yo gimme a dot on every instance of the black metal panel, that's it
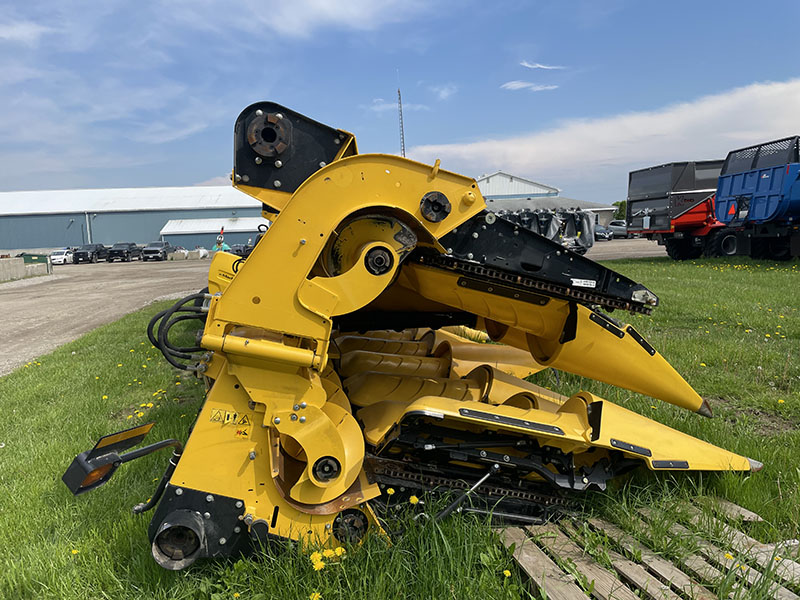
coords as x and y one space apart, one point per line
503 420
494 249
267 135
642 342
398 321
220 526
631 447
670 464
606 324
501 290
763 156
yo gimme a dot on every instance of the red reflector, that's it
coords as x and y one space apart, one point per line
732 209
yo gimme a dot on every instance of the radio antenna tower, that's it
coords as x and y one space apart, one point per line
400 115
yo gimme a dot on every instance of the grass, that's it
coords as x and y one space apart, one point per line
712 326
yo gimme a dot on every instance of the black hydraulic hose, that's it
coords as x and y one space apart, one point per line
176 320
162 484
151 326
162 329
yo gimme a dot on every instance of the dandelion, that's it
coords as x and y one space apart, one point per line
177 383
96 377
778 559
315 596
319 565
729 556
149 405
235 594
144 366
413 500
507 573
340 551
131 350
140 414
390 491
129 417
781 401
328 553
105 397
702 364
74 551
652 406
119 364
315 557
142 405
767 335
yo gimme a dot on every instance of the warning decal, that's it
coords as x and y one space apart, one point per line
243 421
242 432
230 417
216 415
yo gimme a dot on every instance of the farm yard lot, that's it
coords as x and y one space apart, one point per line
730 327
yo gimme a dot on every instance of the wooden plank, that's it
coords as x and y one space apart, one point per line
662 568
696 564
734 511
634 574
787 570
727 561
542 571
603 583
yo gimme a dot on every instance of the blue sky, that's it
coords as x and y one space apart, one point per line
571 94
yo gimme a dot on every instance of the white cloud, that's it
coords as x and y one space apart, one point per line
527 85
379 105
590 158
530 65
23 32
220 180
444 91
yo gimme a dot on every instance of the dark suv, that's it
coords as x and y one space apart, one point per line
90 253
124 251
157 251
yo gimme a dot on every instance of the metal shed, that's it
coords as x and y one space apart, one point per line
191 233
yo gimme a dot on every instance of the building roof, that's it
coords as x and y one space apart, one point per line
547 203
502 184
124 200
213 225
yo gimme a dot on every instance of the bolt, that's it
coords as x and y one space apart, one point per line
303 404
506 458
222 541
469 256
475 234
449 250
279 115
239 504
296 407
207 515
209 498
277 183
237 529
259 112
302 243
278 164
585 480
327 525
277 421
302 419
245 178
336 141
259 160
248 519
483 453
322 163
238 177
179 492
251 456
293 417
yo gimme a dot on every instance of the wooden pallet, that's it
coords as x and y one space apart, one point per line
555 559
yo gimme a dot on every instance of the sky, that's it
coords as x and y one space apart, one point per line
572 94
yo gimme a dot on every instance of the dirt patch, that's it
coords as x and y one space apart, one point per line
765 421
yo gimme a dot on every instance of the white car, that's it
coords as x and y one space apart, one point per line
61 257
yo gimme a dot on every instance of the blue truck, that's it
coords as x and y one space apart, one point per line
758 200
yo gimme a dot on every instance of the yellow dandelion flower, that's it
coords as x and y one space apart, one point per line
778 559
390 491
729 556
319 565
328 553
652 406
139 414
142 405
119 364
781 401
235 594
177 383
702 364
149 405
182 416
129 417
315 557
74 551
315 596
767 335
413 500
96 377
507 573
105 397
131 350
144 366
340 551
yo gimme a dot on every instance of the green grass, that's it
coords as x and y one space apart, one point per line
712 325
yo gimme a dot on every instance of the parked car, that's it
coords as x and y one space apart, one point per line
90 253
618 228
61 257
157 251
124 251
602 234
